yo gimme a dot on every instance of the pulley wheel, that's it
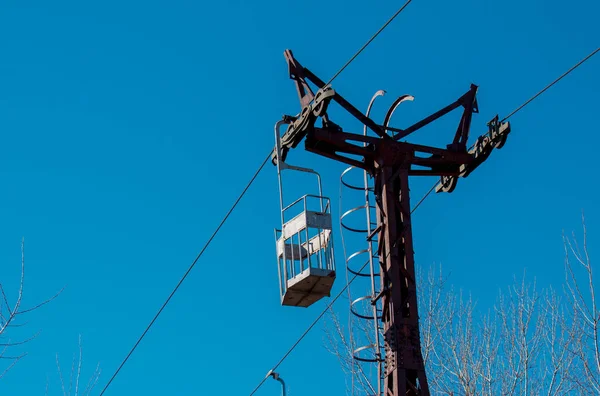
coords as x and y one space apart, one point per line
501 142
448 183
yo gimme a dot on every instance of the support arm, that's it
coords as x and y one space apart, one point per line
300 75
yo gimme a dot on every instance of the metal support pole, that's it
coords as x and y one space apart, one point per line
404 367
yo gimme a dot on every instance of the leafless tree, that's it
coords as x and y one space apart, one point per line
10 319
531 342
581 291
560 334
341 341
75 385
521 347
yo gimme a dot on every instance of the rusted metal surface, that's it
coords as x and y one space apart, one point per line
404 368
391 162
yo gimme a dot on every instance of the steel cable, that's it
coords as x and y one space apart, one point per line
521 107
551 84
307 330
237 201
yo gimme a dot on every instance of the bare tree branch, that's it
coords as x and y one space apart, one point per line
15 360
10 344
339 345
78 367
40 304
62 383
535 341
9 312
93 381
76 373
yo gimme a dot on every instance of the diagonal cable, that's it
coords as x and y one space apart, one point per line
237 201
551 84
521 107
308 330
368 42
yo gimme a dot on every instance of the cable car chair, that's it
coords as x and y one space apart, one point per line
304 244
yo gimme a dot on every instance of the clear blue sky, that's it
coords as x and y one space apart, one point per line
129 127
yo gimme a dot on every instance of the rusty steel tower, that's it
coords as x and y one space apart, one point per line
390 162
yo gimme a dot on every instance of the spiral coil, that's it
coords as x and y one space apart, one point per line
357 223
367 344
367 347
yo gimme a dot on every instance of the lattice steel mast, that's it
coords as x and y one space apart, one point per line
391 162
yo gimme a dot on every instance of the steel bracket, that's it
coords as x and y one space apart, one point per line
495 138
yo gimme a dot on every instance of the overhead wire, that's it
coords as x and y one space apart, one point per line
214 234
528 101
424 198
581 62
373 37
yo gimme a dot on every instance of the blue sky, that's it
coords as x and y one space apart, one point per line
128 129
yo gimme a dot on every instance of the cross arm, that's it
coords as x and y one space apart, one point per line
468 101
